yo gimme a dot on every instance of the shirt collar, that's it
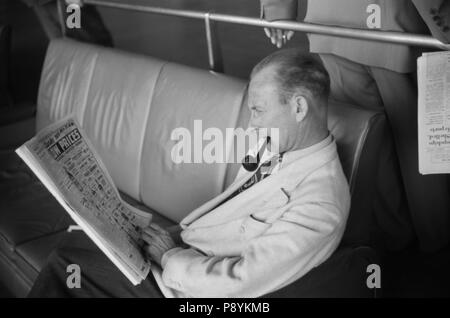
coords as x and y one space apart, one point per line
291 156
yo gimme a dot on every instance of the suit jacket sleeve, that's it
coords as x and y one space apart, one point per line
434 12
272 10
306 235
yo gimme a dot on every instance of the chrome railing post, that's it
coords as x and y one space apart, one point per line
62 21
213 45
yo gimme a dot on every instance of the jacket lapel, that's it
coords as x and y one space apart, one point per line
211 213
242 204
211 204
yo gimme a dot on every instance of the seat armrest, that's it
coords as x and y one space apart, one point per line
18 112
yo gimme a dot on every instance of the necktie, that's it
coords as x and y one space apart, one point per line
264 170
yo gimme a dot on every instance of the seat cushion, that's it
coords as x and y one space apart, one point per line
20 267
15 272
359 145
110 93
353 129
191 101
36 252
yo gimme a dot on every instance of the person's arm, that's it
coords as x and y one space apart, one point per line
158 240
273 10
305 236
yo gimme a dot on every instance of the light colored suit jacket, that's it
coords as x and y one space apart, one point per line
396 15
266 237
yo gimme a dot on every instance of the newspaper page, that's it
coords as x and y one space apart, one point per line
433 75
66 162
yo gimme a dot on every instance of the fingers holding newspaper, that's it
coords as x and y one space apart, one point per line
157 242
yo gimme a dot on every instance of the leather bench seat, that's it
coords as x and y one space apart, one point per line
20 266
128 105
36 252
29 218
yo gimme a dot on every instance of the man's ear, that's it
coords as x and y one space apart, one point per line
300 107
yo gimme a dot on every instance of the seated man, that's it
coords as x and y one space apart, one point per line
265 231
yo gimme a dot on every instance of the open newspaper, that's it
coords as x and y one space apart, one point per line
65 161
433 73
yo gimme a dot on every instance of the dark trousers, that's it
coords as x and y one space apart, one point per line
342 275
99 276
428 196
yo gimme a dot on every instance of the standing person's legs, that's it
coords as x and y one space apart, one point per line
352 83
428 196
99 276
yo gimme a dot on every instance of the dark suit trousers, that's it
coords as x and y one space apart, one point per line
99 276
342 275
428 196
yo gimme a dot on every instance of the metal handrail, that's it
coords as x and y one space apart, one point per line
213 44
371 35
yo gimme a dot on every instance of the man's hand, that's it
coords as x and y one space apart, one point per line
158 241
279 10
175 233
278 37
